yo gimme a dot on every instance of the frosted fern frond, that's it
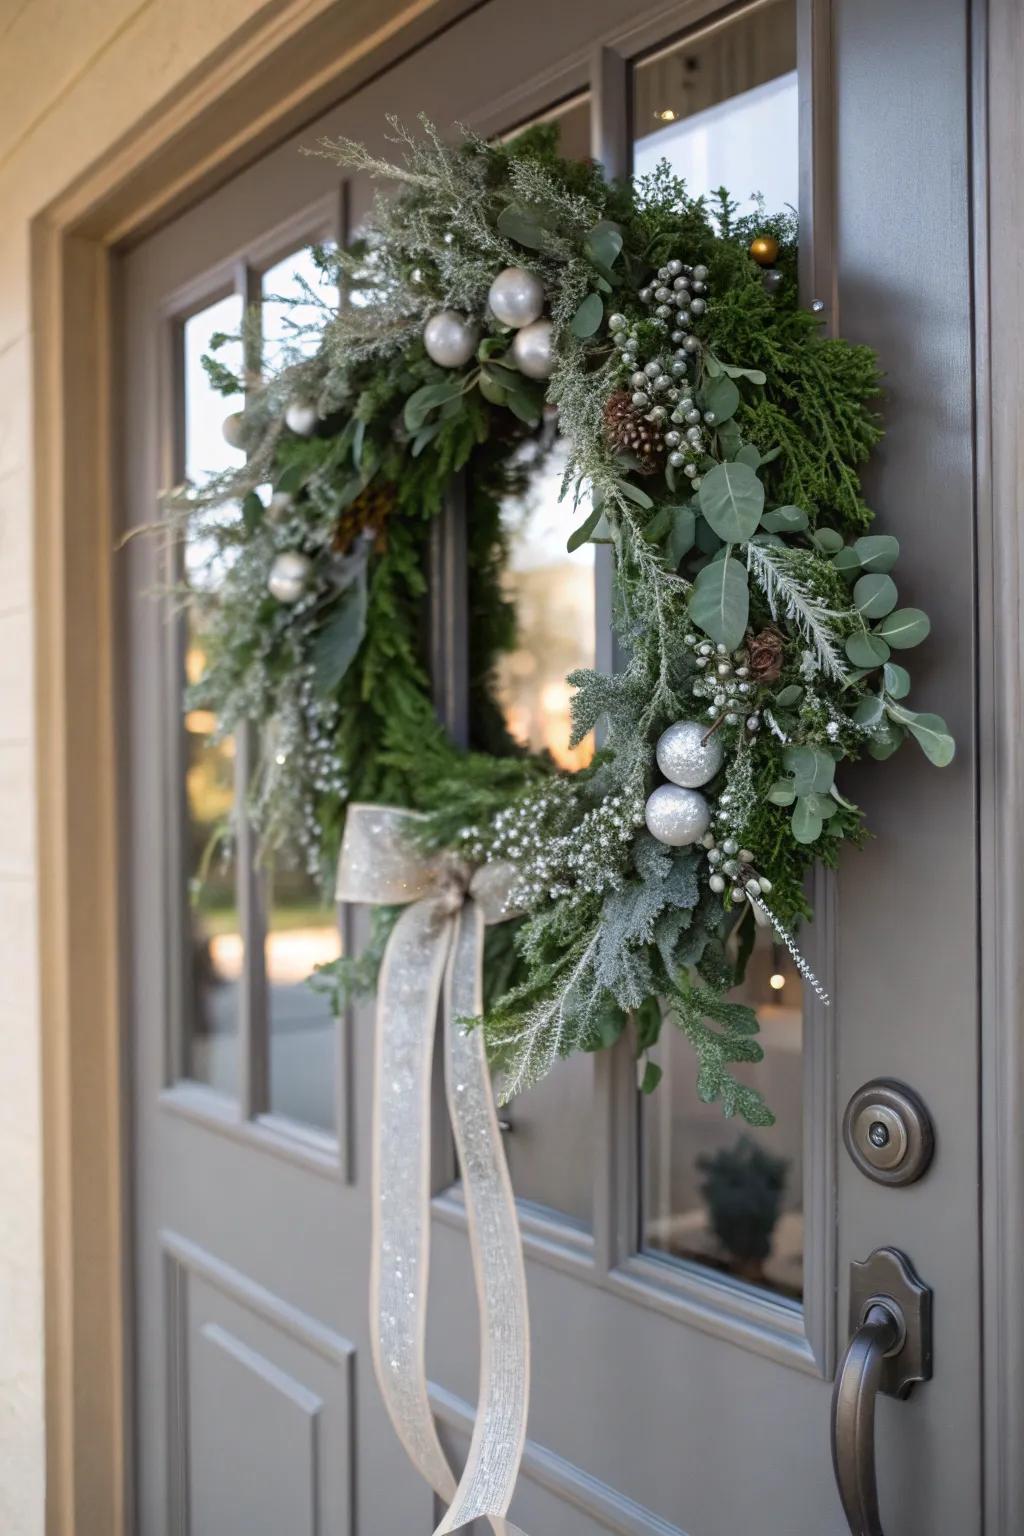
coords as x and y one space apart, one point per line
524 1045
789 595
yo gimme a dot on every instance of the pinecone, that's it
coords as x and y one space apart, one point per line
627 430
765 654
367 514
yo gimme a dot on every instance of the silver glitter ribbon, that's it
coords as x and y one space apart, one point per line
759 903
437 945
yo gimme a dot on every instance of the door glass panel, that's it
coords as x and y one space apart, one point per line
721 108
214 947
302 932
301 920
731 1196
549 1138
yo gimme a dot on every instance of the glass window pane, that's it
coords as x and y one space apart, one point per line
294 297
731 1197
213 961
301 923
553 593
302 932
721 108
550 1144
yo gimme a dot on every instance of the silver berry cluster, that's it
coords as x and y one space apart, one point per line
725 682
733 867
587 858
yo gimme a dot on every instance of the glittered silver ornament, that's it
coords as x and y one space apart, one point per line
533 351
688 755
289 576
233 429
450 339
301 418
677 816
516 297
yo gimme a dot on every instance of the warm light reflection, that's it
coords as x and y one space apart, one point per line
777 981
553 593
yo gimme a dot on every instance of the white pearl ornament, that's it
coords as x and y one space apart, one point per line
450 339
301 419
687 755
516 297
233 429
533 352
289 576
677 816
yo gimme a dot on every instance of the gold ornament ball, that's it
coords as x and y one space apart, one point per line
764 250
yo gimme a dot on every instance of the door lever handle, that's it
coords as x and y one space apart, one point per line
890 1350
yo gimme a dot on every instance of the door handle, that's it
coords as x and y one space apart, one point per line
889 1351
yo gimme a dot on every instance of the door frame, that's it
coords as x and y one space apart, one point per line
248 96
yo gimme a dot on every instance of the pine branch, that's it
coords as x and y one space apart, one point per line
771 566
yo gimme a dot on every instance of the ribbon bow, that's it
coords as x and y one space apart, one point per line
438 941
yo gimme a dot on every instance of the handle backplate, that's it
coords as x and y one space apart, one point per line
886 1276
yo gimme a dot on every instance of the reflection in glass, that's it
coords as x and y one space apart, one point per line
301 927
553 593
550 1144
302 932
721 108
213 962
731 1197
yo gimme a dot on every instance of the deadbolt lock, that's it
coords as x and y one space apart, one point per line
888 1132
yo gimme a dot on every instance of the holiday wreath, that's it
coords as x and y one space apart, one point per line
714 438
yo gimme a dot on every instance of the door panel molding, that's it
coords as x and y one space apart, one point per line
610 1510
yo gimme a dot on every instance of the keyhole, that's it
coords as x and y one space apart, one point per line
878 1134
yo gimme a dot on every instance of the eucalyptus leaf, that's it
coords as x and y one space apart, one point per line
291 480
877 551
339 639
423 438
886 739
659 525
588 317
785 520
426 399
813 769
492 388
749 454
516 224
827 540
823 806
805 822
868 711
721 396
782 793
580 535
720 601
895 680
905 628
634 493
603 244
846 561
865 649
788 696
681 535
754 375
874 596
730 439
732 500
930 732
651 1077
252 511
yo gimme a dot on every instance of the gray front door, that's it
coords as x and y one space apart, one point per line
682 1377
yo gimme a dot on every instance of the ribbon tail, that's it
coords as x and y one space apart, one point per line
408 994
499 1432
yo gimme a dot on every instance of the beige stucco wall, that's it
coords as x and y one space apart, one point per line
74 76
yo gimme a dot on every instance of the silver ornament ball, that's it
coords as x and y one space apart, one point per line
686 757
233 429
516 297
289 576
533 350
450 339
301 418
676 816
